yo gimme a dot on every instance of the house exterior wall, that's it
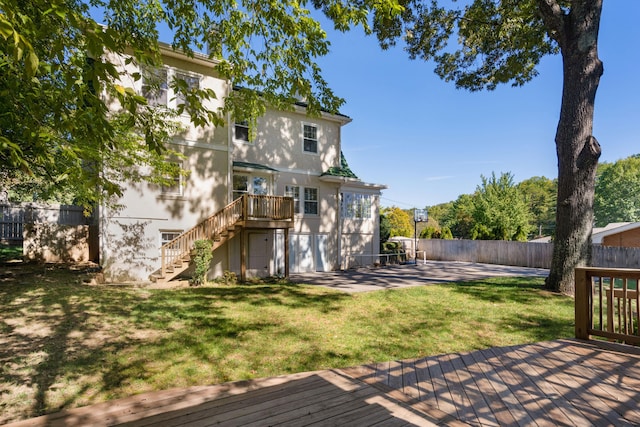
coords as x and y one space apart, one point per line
131 236
629 239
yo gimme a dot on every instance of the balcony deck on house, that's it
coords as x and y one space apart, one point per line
571 382
246 212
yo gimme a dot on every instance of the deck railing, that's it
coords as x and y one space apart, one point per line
247 207
607 304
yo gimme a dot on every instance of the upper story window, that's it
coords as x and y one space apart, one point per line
311 201
176 188
241 131
294 192
191 82
158 92
155 87
310 138
355 205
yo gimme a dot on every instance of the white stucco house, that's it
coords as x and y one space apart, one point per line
282 201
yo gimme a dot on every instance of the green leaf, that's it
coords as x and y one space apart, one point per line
6 29
32 64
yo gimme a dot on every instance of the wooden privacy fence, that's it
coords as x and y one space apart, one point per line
521 254
14 216
607 304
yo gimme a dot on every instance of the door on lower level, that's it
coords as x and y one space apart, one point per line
260 251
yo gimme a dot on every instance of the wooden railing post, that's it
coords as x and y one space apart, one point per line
245 207
582 303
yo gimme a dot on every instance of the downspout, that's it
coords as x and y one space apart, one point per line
339 219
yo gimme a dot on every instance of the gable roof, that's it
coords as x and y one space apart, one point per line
600 233
343 170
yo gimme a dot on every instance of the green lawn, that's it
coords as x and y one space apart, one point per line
10 253
66 344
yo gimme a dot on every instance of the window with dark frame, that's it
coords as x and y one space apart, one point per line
311 201
310 139
241 131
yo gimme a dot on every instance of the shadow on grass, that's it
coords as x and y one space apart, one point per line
65 343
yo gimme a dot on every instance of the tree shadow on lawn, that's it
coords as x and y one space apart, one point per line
64 343
521 290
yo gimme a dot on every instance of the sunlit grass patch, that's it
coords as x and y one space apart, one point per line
66 344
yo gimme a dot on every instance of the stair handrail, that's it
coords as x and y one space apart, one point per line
178 248
243 208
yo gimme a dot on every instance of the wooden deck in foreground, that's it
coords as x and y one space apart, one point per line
564 382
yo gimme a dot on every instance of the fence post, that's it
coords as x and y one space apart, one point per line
582 306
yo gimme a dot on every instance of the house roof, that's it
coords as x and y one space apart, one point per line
252 166
614 228
343 170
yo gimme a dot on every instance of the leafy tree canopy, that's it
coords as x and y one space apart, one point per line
500 212
540 194
617 196
479 44
55 124
400 222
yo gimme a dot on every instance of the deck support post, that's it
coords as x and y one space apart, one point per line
286 253
582 306
243 256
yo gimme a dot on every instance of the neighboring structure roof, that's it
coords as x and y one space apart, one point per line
343 170
613 228
252 166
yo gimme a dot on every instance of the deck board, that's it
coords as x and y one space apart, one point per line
562 382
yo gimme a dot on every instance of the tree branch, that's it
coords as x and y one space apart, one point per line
554 19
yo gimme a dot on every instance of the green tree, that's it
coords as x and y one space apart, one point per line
461 220
540 194
500 212
499 42
55 79
617 196
385 229
401 223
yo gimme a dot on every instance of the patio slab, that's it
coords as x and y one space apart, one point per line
402 276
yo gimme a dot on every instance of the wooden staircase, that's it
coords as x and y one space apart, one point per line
248 211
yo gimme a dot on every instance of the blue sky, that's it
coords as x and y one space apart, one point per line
430 142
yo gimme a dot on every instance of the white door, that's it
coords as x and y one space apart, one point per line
260 249
301 253
321 252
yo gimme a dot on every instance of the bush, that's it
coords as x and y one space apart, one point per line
202 259
228 278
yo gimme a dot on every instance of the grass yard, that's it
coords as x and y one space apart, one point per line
64 343
10 253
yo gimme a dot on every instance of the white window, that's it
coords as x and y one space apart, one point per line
168 235
250 184
294 192
355 205
154 86
309 138
240 185
176 188
260 186
158 92
241 131
191 83
311 201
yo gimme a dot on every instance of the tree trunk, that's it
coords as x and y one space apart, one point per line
578 151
